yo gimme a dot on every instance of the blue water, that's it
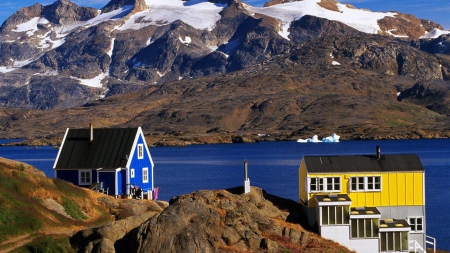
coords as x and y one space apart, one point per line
273 166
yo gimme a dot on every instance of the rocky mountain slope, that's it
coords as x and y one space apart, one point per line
317 88
62 55
289 70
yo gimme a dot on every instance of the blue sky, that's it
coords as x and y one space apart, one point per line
434 10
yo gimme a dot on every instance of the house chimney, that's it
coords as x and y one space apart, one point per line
91 128
246 179
378 153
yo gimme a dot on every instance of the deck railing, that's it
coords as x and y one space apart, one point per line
432 241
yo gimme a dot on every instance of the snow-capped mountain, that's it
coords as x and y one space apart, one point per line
62 55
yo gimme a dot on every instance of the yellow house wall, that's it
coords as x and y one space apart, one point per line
397 189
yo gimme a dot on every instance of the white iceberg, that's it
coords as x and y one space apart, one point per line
315 139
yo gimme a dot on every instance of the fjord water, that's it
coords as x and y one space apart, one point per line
273 166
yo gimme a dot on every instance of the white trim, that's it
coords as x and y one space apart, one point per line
79 177
325 184
398 229
60 148
133 149
116 183
333 203
145 169
366 184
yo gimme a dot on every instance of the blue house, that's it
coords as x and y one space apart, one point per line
114 160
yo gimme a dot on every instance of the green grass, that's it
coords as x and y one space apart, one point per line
72 209
47 244
14 220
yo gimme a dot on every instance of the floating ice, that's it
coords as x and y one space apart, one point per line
315 139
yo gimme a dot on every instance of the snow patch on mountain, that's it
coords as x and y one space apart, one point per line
187 40
31 26
111 48
434 34
198 14
16 65
361 20
95 82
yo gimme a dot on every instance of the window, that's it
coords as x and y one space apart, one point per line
325 184
373 183
334 215
84 177
140 151
416 224
316 184
145 175
132 173
394 241
364 228
365 183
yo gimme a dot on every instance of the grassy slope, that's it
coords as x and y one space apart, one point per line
22 192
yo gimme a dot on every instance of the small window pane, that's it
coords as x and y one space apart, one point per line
377 183
354 228
390 241
332 215
321 184
383 243
339 215
368 225
405 241
354 186
370 183
325 215
397 241
360 183
313 184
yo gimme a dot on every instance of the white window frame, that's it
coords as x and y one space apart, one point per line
82 182
145 175
321 184
334 215
364 185
364 228
414 225
132 173
140 151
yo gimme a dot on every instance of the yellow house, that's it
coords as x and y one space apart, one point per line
369 203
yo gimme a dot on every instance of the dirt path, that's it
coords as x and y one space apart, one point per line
19 241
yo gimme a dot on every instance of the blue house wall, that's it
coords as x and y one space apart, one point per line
122 182
138 165
72 176
109 181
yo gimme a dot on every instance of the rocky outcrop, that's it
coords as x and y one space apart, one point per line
309 28
403 25
63 12
275 2
209 221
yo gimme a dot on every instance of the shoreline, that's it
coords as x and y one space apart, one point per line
187 140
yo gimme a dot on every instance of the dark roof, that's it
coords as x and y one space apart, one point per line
362 163
108 150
